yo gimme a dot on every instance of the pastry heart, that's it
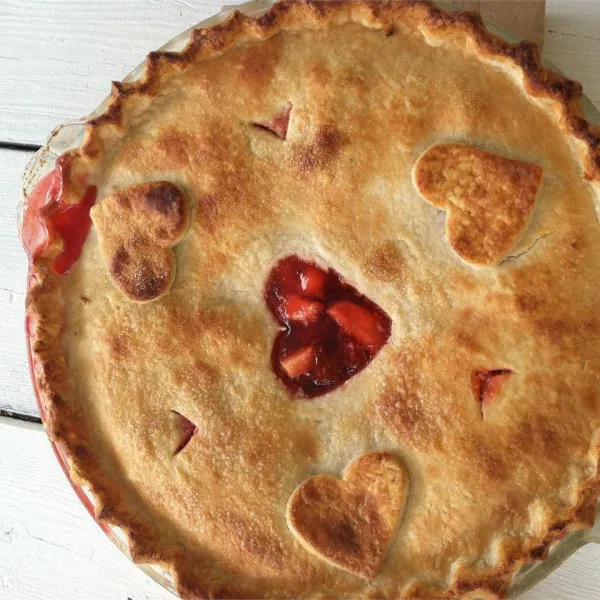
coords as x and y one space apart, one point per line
137 227
489 198
350 522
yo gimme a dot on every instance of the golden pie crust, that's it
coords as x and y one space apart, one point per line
372 86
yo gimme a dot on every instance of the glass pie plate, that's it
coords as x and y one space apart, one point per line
69 135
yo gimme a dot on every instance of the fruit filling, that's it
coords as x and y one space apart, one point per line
278 124
488 384
46 217
329 330
185 430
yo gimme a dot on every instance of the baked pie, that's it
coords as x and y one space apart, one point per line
313 309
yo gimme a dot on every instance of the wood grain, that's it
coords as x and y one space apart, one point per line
57 58
16 394
572 42
49 545
525 18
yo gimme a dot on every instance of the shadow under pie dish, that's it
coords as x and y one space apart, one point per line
319 286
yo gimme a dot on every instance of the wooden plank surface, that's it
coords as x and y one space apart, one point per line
572 42
50 547
58 57
525 18
16 394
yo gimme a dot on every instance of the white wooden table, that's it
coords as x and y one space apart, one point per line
57 58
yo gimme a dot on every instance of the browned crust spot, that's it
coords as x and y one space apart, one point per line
44 298
319 153
137 228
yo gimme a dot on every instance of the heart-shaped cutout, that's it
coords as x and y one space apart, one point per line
137 227
183 431
278 123
329 332
487 385
350 522
489 198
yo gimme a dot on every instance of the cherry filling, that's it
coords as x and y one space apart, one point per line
330 331
488 384
46 216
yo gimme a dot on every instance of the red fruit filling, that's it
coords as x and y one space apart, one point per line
45 217
330 331
488 384
185 431
312 281
278 124
301 309
298 362
361 324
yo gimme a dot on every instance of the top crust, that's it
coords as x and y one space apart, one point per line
338 191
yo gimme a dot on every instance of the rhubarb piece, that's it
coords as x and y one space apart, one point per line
293 276
302 310
351 353
73 223
46 218
312 281
35 233
301 361
363 325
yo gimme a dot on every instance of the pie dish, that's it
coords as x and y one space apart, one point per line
308 143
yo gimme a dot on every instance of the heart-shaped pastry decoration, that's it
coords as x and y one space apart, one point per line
137 227
489 198
350 522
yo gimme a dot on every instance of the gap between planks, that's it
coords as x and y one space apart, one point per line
19 147
8 414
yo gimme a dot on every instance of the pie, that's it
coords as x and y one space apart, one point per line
313 309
